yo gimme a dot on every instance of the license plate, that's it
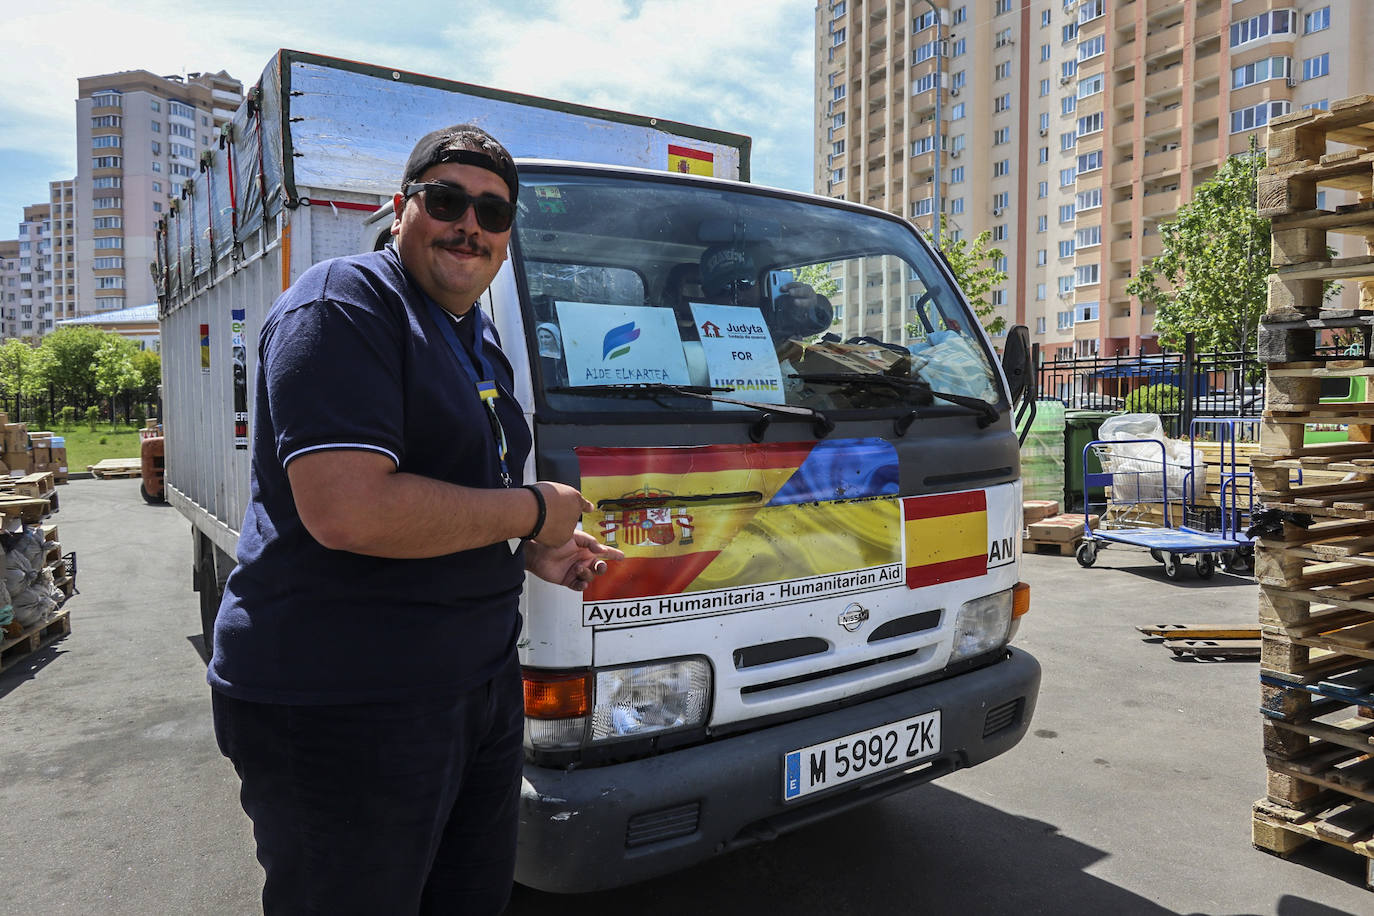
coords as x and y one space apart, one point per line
841 760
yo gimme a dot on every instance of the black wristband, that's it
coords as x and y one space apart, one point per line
543 512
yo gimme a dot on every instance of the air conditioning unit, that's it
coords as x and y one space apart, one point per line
1065 80
954 93
954 154
996 211
1292 82
1044 131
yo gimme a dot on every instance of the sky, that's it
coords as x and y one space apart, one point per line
738 65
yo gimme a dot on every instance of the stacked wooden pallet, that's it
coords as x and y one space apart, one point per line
1316 607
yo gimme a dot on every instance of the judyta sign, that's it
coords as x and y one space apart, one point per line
739 352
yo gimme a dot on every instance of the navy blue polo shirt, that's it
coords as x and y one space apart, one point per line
350 357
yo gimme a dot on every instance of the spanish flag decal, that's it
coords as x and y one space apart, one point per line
946 537
690 161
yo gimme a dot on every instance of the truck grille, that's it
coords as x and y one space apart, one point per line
657 826
1001 718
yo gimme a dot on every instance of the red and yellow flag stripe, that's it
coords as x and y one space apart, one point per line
690 161
946 537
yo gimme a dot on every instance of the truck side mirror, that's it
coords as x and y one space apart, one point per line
1016 361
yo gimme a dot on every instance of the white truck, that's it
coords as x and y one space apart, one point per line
822 536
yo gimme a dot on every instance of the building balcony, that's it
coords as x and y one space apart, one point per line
1122 250
1163 123
1161 206
1117 289
1086 330
1121 212
1204 152
1163 42
1123 97
1164 83
1119 327
1161 164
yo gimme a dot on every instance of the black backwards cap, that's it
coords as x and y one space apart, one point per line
467 144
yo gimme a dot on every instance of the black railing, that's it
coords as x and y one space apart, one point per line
1177 386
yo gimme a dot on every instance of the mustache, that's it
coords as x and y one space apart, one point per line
464 244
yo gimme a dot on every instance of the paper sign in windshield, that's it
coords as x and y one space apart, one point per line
739 352
621 345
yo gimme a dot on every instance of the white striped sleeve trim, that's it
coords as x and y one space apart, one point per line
336 446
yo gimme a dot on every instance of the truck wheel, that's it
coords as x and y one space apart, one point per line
210 595
149 498
1087 554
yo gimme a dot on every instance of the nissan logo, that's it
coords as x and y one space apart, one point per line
853 617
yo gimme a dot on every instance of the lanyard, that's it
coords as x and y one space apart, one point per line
484 384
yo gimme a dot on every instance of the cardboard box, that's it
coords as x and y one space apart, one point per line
1033 510
1058 528
41 454
16 437
832 356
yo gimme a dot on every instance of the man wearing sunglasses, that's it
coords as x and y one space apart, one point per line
365 680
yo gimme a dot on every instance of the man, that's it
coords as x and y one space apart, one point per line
365 680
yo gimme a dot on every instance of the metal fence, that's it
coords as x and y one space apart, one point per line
44 408
1177 386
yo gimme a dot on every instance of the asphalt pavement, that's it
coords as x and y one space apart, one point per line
1130 795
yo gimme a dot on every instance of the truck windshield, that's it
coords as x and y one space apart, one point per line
657 286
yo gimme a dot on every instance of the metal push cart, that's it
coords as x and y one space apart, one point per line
1140 507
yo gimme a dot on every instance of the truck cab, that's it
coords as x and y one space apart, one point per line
821 533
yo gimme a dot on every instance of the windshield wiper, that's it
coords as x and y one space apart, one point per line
821 425
987 413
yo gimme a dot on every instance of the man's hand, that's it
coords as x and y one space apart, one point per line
574 563
564 507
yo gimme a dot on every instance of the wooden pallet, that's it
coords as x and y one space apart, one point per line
117 467
1062 548
32 511
1282 831
14 650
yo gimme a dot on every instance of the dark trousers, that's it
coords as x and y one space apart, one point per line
382 808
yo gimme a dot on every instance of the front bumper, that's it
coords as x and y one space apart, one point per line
601 827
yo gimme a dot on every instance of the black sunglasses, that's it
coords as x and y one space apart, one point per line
448 202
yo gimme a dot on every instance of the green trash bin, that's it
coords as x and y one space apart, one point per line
1042 454
1080 428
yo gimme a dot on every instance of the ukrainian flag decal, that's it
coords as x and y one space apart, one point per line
946 537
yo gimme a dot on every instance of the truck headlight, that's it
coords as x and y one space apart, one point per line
564 711
983 624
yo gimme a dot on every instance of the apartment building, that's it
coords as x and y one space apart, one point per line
62 221
139 138
9 288
30 316
1070 129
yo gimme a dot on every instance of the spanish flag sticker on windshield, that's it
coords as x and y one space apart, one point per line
691 161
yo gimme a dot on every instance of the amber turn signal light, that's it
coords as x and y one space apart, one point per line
550 695
1020 599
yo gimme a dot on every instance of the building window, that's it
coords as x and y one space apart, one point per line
181 110
957 112
1067 176
156 105
1002 39
999 232
1090 162
1086 275
1044 190
925 52
1092 47
1042 223
1001 168
1277 22
1260 70
837 37
1322 104
957 80
1067 140
839 92
960 48
108 222
157 127
923 207
1044 121
106 181
157 148
1066 248
107 263
1068 33
1090 124
107 121
109 99
1088 200
960 15
109 241
1003 6
1068 105
837 148
1002 102
1044 88
999 298
1090 85
1317 66
1258 115
106 203
181 130
1002 71
1089 237
1089 10
157 207
956 175
107 162
956 206
109 282
1001 200
157 166
1044 53
1001 135
1044 18
922 22
109 141
1065 322
1042 257
1044 154
1317 20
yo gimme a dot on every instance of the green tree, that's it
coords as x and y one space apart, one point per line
71 355
148 364
115 371
22 369
974 265
1211 277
